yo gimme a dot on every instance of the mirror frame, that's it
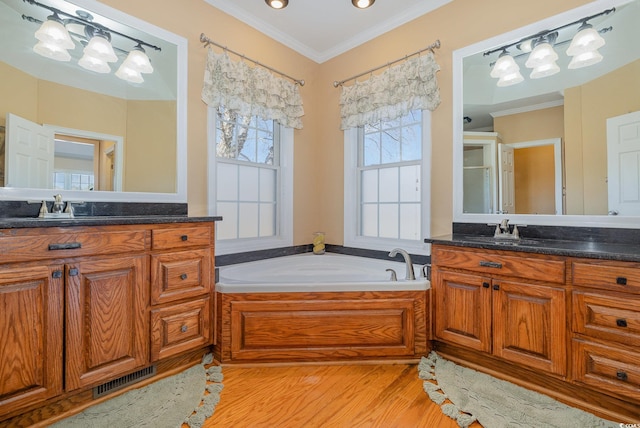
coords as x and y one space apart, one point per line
180 196
458 107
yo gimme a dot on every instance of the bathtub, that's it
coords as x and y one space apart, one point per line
311 308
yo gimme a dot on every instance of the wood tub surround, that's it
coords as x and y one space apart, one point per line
547 318
322 326
83 305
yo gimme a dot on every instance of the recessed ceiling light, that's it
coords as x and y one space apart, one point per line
277 4
362 4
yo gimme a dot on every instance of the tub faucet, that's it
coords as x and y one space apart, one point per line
407 259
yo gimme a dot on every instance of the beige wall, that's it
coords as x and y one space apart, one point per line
534 181
588 106
318 189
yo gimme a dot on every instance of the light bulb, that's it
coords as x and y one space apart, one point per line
138 60
504 65
52 31
277 4
362 4
541 54
587 39
100 48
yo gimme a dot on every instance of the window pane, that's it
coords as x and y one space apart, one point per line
267 220
370 185
389 221
248 220
227 229
227 182
247 146
265 148
267 185
389 185
248 183
410 183
411 143
370 220
410 221
391 146
371 149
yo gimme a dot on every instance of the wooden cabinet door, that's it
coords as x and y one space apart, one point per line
463 309
30 335
529 325
107 319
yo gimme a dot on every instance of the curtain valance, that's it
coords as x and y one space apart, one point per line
250 91
391 94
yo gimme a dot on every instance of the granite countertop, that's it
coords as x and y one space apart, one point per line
556 247
24 222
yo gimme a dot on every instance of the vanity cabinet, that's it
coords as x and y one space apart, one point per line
84 305
606 327
512 307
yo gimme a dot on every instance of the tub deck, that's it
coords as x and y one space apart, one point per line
346 326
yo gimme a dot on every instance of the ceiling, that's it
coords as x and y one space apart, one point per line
321 30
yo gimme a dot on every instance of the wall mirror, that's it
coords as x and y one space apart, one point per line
560 146
93 126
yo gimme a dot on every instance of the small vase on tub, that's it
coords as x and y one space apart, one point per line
318 243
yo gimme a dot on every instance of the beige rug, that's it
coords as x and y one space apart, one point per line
495 403
188 397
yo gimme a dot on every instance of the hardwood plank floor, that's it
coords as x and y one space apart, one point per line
312 396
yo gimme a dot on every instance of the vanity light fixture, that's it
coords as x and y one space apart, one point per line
277 4
362 4
541 55
56 38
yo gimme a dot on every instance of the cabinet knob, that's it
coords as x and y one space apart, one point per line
183 276
621 322
621 280
184 328
56 274
485 284
184 237
496 286
73 272
621 375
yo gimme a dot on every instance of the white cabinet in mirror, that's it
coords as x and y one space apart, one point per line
92 127
560 147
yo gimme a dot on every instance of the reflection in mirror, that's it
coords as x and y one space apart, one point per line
551 143
130 114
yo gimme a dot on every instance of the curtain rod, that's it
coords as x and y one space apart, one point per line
431 47
207 41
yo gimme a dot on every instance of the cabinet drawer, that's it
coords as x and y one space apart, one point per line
180 275
65 245
613 371
615 317
607 276
184 237
178 328
490 263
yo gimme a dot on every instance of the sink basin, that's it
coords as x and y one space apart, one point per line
497 241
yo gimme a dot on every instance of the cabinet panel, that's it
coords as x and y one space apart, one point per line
607 275
30 335
613 317
462 309
180 275
611 370
180 327
529 325
107 319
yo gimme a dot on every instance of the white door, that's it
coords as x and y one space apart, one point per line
623 164
29 153
506 179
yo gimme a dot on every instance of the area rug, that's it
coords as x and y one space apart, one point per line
188 397
467 395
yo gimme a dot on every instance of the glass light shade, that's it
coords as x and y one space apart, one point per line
277 4
540 55
139 61
510 79
53 32
100 48
587 39
544 70
52 51
362 4
504 65
94 64
129 74
585 59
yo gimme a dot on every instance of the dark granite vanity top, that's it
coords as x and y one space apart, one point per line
557 247
22 222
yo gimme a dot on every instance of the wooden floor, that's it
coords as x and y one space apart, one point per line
326 396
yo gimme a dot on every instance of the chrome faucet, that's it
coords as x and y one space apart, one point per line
504 232
410 275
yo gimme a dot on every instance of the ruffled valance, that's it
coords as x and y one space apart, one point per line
391 94
250 91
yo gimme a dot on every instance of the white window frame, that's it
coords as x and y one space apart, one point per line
352 237
284 198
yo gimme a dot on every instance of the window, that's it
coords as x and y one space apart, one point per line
387 183
251 182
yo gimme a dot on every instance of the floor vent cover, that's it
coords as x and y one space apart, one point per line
124 381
